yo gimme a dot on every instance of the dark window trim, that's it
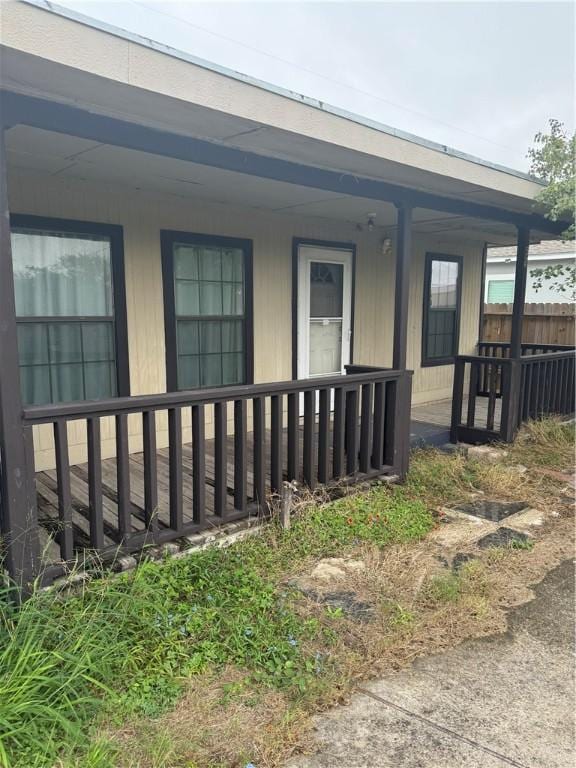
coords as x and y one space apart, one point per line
116 234
167 239
429 362
338 245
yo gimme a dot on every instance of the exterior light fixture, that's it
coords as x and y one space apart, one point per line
371 223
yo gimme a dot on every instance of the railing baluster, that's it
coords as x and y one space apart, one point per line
240 457
323 435
276 443
198 466
220 459
123 477
66 531
259 418
150 470
293 435
494 370
378 431
475 369
338 436
351 431
308 448
95 483
175 468
365 427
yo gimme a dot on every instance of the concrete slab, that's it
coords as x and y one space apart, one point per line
499 701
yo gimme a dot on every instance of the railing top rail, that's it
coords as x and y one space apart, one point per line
547 356
40 414
527 345
484 359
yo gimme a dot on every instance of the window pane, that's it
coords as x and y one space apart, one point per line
187 298
209 282
443 284
32 343
67 382
98 341
232 332
326 289
210 336
325 347
500 291
100 379
233 299
210 264
187 332
188 372
186 262
441 333
232 263
210 370
59 274
233 368
210 299
35 384
64 343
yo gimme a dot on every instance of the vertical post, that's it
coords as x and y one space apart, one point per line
519 292
18 514
403 258
398 410
511 387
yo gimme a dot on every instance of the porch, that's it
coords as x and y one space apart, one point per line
108 471
337 430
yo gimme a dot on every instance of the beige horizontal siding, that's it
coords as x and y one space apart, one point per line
142 216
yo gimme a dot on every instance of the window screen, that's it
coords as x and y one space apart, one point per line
500 291
209 293
65 315
441 307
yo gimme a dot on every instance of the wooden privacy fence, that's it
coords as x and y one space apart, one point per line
314 431
542 324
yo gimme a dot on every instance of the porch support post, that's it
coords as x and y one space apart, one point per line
511 374
519 293
403 259
18 516
399 394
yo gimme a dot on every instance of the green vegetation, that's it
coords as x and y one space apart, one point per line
214 659
125 644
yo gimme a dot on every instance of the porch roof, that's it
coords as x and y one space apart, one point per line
69 59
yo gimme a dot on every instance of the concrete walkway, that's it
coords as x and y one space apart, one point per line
507 700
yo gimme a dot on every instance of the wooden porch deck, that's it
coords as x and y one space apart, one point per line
47 491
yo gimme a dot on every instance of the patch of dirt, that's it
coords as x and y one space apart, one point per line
220 721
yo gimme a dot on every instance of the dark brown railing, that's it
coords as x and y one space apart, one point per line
314 431
500 393
502 349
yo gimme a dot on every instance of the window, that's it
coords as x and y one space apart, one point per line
500 291
208 310
442 280
70 310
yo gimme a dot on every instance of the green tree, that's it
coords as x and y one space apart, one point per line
553 159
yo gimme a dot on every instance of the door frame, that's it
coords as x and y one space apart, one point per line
335 245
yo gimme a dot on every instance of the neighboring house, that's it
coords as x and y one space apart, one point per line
210 285
501 263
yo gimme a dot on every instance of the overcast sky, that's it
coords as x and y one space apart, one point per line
481 77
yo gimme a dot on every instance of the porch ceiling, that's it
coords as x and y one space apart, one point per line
36 151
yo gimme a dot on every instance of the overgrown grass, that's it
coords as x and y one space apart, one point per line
125 648
125 643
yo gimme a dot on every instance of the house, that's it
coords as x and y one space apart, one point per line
210 285
500 266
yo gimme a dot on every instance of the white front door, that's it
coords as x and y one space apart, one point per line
324 310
